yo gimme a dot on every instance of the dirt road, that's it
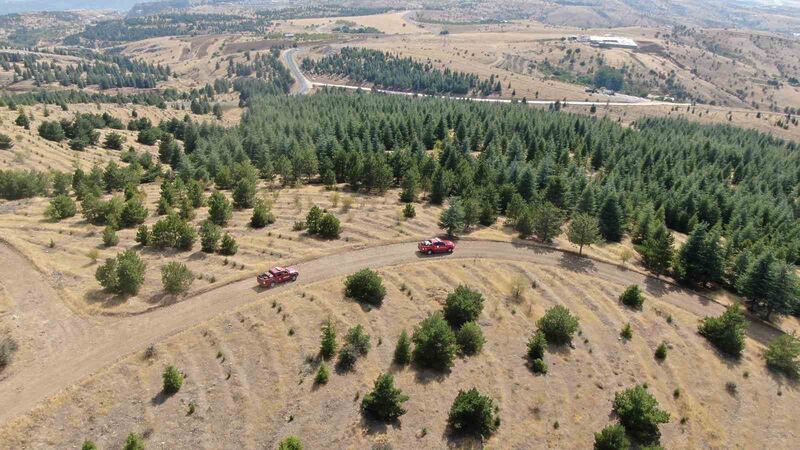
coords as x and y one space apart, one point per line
83 350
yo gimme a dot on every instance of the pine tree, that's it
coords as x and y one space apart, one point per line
409 185
657 250
385 402
440 187
452 219
328 344
699 259
402 352
610 220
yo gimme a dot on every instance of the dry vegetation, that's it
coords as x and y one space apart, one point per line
257 364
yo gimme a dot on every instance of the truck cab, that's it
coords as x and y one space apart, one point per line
277 275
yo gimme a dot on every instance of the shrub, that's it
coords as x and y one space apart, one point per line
470 338
402 351
661 351
639 413
290 443
176 277
61 207
7 348
627 332
143 235
611 437
262 216
174 232
329 226
409 212
110 238
51 131
782 355
385 402
434 343
244 193
123 275
537 345
727 331
313 219
5 142
539 366
632 297
347 358
134 442
463 305
365 286
88 445
114 141
209 236
229 246
133 213
323 374
358 340
328 344
173 380
219 208
473 413
558 325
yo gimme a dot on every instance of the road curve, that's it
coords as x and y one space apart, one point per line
112 339
305 86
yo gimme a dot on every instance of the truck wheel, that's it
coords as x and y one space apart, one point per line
271 285
294 277
430 252
449 250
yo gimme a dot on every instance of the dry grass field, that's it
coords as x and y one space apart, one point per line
250 372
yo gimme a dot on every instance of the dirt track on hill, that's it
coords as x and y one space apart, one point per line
67 349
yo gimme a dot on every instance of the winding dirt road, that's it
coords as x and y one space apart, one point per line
67 349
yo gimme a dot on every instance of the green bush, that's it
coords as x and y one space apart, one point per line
323 374
536 346
409 212
347 358
473 413
114 141
134 442
209 236
727 331
262 216
313 219
558 325
5 142
365 286
244 193
632 297
61 207
229 246
402 351
173 232
470 338
173 380
782 355
110 238
539 366
329 226
611 437
88 445
661 351
639 413
627 332
328 344
176 277
219 208
385 402
358 340
434 343
463 305
123 275
290 443
143 235
133 213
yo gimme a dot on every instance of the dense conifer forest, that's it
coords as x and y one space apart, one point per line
387 71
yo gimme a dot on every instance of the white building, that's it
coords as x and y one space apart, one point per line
612 41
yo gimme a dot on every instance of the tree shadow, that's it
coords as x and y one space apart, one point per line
374 426
535 247
460 440
160 398
425 376
657 287
575 263
104 299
